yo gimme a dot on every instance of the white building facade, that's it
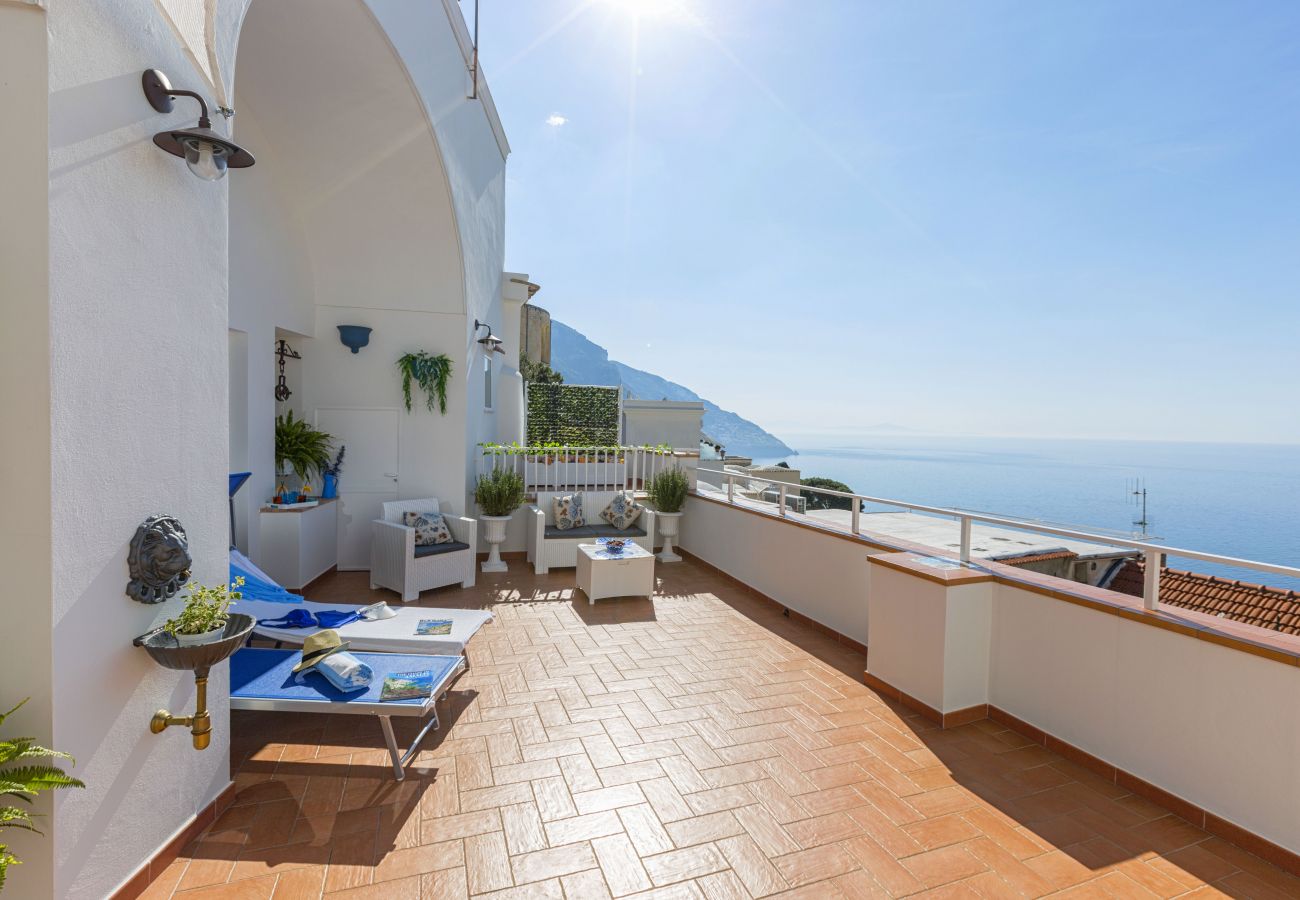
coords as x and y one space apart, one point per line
141 308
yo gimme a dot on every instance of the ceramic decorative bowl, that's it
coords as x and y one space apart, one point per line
615 545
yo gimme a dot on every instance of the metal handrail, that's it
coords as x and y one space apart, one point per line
1151 552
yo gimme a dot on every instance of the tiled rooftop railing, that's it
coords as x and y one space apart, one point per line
736 486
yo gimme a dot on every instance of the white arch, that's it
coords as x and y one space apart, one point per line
331 111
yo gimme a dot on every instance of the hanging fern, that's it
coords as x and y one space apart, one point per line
22 778
431 373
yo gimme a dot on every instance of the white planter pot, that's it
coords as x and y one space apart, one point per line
494 533
207 637
669 527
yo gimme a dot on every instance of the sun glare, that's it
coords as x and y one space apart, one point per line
648 9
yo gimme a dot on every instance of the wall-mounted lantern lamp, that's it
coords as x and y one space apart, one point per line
490 342
354 337
207 153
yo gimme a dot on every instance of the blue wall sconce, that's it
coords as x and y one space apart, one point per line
354 337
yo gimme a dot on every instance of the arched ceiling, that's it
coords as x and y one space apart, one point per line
351 151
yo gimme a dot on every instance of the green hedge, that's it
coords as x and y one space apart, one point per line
821 501
575 415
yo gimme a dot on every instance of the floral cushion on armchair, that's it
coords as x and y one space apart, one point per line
568 512
430 528
622 511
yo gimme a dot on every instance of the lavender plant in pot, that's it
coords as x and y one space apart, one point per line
330 475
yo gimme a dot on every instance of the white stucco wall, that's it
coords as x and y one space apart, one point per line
271 286
820 575
25 516
654 422
1213 725
473 159
138 394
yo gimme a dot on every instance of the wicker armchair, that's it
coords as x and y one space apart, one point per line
397 564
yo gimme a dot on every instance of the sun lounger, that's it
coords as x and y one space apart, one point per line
263 679
393 635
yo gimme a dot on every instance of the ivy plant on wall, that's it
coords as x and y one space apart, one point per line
431 373
572 414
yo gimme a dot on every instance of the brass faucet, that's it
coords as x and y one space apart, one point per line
200 724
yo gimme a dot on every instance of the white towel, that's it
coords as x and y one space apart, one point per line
344 671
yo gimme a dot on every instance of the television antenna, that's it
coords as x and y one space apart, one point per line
1137 492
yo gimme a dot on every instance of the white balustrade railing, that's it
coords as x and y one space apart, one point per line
726 480
571 468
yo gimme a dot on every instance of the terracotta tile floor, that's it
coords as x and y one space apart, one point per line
699 746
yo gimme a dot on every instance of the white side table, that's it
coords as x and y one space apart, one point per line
603 574
299 545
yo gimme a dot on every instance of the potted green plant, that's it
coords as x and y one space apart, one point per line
300 447
667 492
498 494
431 373
207 609
22 778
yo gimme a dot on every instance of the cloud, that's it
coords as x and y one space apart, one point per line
555 120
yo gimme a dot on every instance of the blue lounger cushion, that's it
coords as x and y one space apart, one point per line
257 584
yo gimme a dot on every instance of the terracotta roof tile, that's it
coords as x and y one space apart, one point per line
1254 604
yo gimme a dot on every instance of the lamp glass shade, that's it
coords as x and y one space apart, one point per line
205 159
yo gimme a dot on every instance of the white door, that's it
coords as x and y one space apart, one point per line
370 473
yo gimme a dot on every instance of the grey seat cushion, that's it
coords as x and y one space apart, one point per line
591 531
439 549
605 530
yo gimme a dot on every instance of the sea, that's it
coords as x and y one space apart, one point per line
1239 500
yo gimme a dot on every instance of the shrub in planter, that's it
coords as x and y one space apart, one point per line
668 490
500 492
207 609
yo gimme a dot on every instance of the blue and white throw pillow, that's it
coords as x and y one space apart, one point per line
430 528
622 511
568 512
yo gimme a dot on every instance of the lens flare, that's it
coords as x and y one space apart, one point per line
648 9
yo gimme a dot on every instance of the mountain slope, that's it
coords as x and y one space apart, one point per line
582 362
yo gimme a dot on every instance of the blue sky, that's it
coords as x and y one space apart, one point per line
1006 218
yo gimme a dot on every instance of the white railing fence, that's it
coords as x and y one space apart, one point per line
580 468
739 487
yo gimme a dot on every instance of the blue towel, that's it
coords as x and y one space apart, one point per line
305 618
257 584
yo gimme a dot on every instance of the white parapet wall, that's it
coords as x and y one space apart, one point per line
1197 708
816 572
943 660
1214 725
